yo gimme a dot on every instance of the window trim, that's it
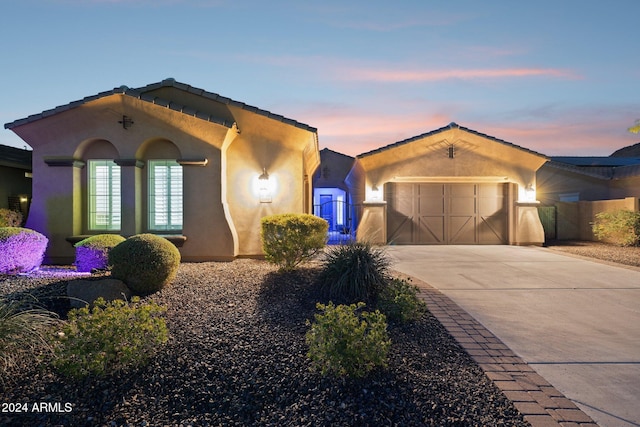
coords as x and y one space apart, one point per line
112 195
170 225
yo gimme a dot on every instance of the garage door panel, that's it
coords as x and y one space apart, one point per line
431 199
462 230
492 230
432 230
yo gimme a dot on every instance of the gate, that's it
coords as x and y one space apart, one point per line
342 219
549 219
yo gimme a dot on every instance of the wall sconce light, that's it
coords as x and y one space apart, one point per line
530 193
375 192
23 199
126 122
264 187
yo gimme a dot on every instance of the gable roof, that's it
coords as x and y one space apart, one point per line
143 93
450 126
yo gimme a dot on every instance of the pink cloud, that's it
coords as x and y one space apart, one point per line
394 75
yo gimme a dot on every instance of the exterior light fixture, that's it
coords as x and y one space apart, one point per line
375 192
264 187
530 193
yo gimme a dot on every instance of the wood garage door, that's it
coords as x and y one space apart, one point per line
446 214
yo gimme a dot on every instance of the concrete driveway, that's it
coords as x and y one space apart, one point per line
576 322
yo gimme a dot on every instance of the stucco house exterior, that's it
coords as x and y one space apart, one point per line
452 185
170 159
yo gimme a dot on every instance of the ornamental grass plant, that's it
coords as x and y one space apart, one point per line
354 272
25 329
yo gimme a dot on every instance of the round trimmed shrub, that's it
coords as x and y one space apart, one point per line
92 253
22 250
146 263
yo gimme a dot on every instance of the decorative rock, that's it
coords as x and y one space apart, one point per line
83 292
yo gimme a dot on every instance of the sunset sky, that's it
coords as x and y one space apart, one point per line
561 77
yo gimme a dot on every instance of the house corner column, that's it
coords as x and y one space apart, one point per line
528 227
373 225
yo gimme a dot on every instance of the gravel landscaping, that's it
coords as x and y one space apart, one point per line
237 356
629 255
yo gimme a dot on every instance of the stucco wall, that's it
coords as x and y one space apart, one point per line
576 218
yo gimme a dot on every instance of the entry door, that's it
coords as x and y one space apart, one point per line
326 209
439 213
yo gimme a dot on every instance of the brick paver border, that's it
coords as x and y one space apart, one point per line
537 400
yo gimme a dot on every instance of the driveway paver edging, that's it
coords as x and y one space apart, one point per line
540 403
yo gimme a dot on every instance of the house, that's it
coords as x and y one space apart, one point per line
453 185
170 159
15 179
571 179
331 197
573 190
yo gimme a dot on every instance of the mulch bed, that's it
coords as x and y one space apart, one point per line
237 356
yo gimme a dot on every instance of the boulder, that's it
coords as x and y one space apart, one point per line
83 292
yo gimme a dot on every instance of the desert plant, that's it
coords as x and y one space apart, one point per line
146 263
345 340
24 332
621 227
290 239
22 249
399 301
354 272
92 253
109 337
10 218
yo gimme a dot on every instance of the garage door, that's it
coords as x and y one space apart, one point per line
455 214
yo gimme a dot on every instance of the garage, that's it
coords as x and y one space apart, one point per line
446 213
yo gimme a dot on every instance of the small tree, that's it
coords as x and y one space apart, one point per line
290 239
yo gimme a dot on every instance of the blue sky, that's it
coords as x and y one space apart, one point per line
560 77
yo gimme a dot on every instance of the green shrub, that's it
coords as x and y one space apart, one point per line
399 301
354 272
24 332
22 250
110 337
621 227
92 253
146 263
290 239
9 218
344 340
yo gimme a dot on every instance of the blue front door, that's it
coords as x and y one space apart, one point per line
326 209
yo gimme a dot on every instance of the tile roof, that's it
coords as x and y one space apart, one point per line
451 125
142 93
15 157
596 161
